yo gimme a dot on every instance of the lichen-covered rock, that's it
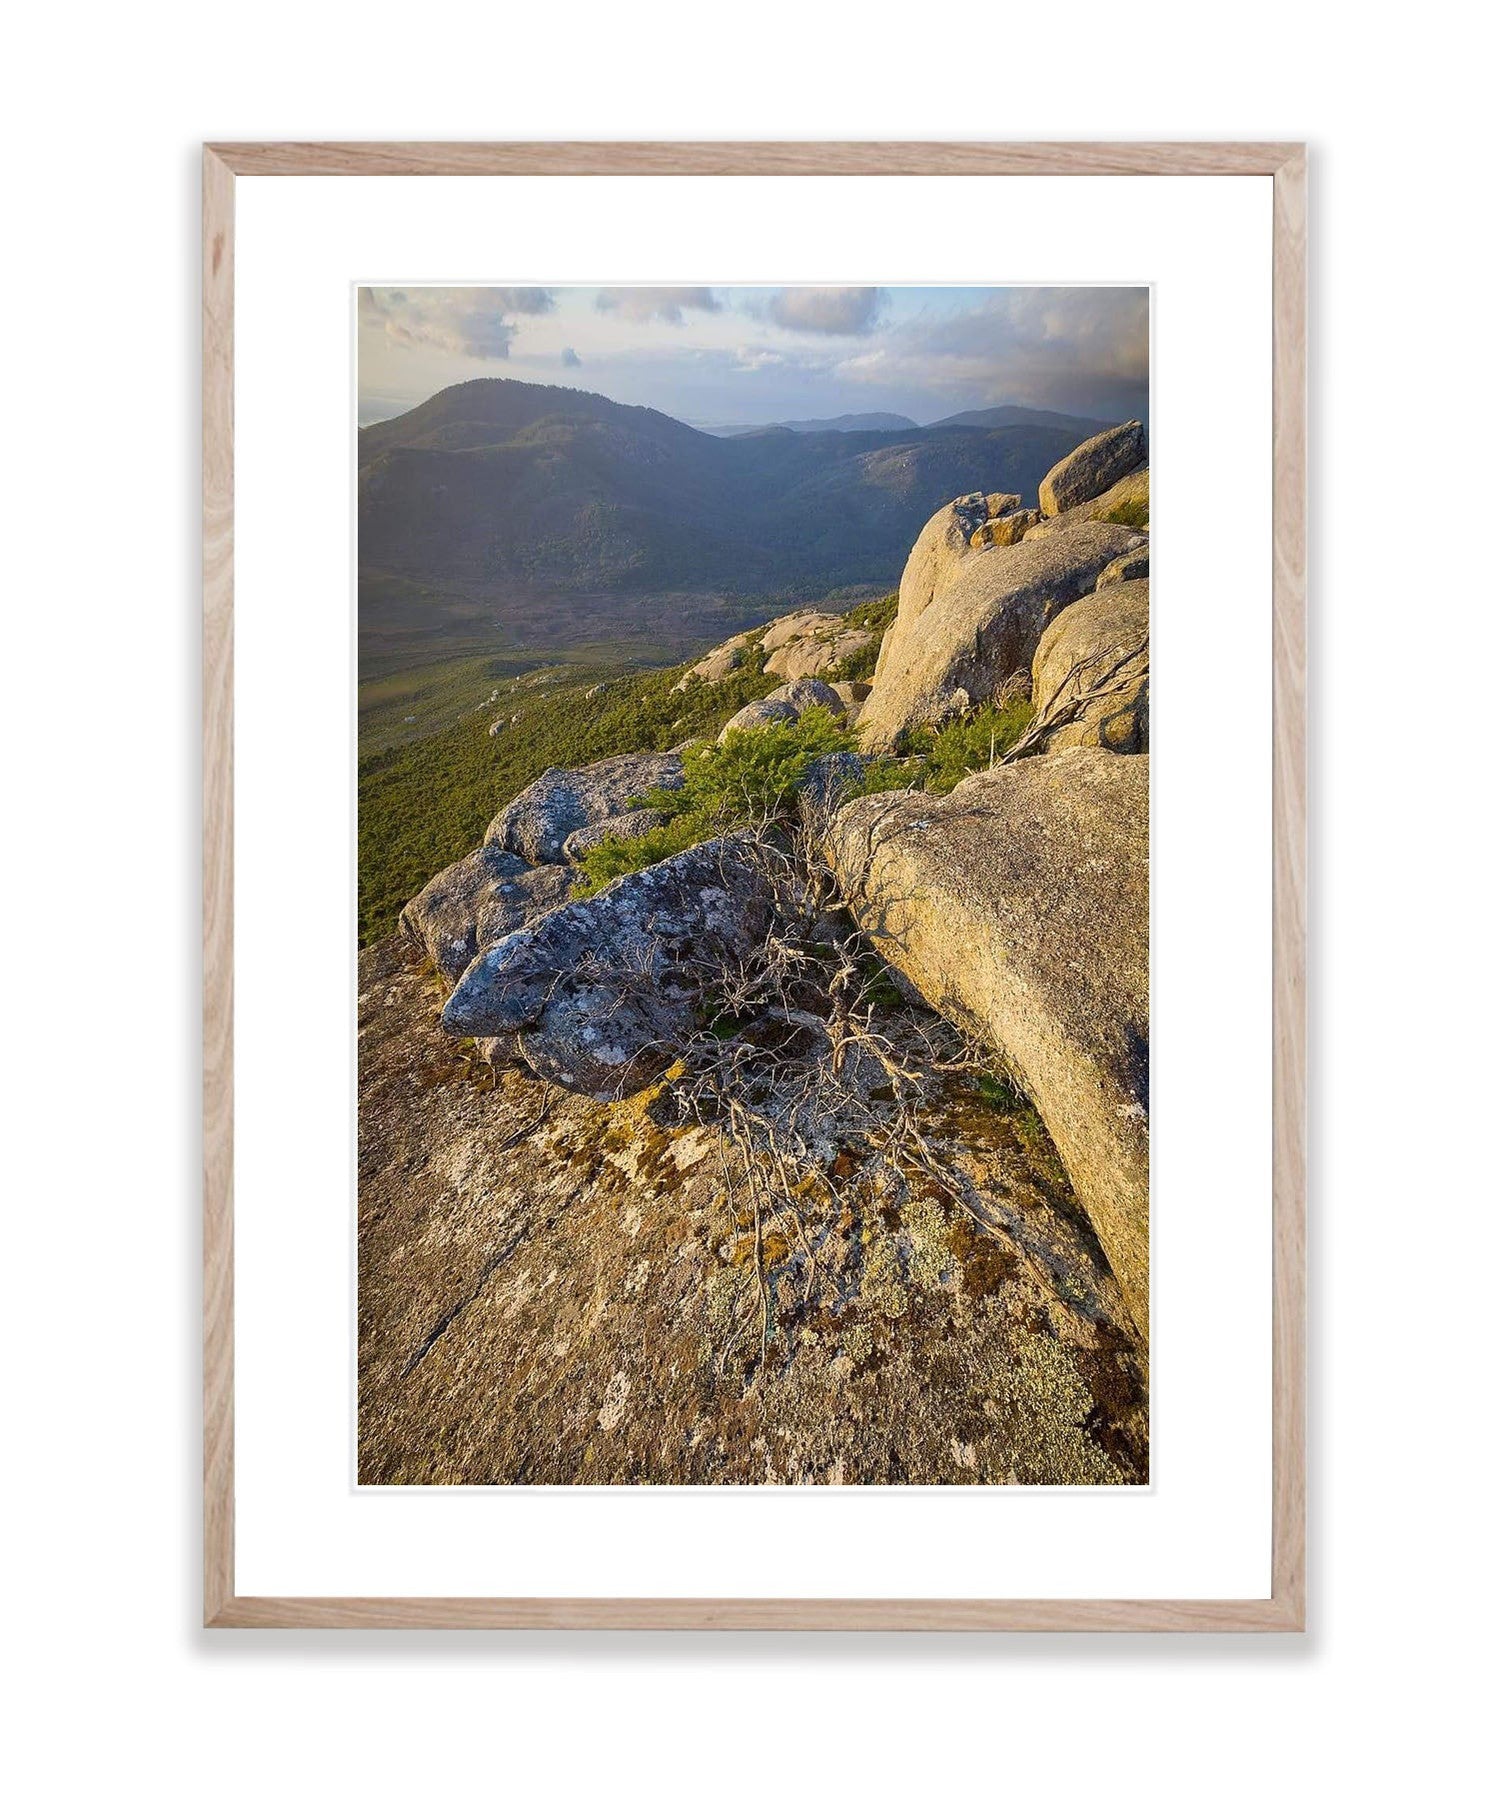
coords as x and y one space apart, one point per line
624 826
784 705
806 657
1133 565
1092 467
553 1291
1019 906
603 991
475 900
1099 646
978 624
538 822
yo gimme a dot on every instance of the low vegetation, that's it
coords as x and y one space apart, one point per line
1134 513
748 780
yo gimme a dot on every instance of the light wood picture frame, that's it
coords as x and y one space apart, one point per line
1285 1608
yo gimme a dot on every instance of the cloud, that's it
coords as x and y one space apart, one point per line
1082 349
836 311
464 321
642 304
570 358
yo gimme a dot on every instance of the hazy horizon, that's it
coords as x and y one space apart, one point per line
744 357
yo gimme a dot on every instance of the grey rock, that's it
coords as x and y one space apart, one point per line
473 901
1019 906
600 994
625 826
825 786
784 705
979 624
1092 467
538 822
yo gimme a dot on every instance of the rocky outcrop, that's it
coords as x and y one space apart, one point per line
1092 467
975 617
806 657
476 900
1019 904
600 994
1133 492
785 705
1100 647
538 821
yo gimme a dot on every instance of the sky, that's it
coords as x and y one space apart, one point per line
746 356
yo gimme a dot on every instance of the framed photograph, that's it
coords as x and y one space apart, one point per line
706 796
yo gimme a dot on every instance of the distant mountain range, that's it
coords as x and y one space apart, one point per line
845 421
580 514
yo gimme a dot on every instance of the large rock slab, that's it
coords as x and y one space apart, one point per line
979 624
1019 906
557 1292
538 821
784 705
476 900
602 993
1092 467
1098 646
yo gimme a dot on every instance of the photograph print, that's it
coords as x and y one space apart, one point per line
753 886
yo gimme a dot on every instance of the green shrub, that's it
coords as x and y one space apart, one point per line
749 779
858 666
1134 513
874 615
969 744
889 774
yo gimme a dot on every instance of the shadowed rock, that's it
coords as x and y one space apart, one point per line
1092 467
600 994
1101 644
979 623
1008 528
538 822
1133 565
476 900
1018 905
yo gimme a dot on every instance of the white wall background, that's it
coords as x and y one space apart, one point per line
98 428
